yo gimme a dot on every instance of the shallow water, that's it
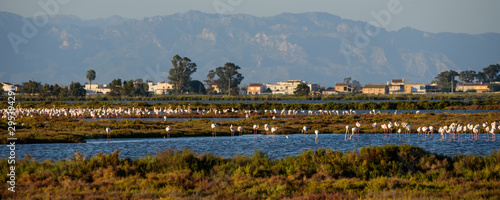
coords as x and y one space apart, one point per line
226 147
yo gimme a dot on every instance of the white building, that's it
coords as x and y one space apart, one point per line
160 87
9 86
96 89
289 87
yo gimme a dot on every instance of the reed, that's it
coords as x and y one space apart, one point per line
396 172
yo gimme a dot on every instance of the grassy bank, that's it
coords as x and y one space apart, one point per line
46 130
397 172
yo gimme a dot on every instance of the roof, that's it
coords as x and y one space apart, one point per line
255 84
330 89
473 84
398 80
375 86
342 84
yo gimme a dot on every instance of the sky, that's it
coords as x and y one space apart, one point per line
456 16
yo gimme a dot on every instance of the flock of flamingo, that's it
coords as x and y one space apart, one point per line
100 113
453 132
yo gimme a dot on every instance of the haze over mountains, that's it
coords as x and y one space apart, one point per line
305 46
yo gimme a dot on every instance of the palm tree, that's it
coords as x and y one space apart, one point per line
91 76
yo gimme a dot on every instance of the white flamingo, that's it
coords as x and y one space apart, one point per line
266 128
347 131
359 128
390 127
168 129
316 132
494 128
419 131
214 131
424 132
374 125
273 131
408 130
354 131
240 130
476 131
255 130
487 131
384 127
304 131
108 133
232 129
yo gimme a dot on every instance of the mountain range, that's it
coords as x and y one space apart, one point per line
316 47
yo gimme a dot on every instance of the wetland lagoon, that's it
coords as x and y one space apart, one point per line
70 157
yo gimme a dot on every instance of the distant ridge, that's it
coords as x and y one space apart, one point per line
305 46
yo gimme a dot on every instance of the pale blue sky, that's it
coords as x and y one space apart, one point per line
458 16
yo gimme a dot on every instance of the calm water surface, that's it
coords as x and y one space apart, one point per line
224 146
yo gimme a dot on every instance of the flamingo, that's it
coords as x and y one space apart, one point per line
232 131
354 131
240 130
487 130
304 131
108 133
384 127
273 131
399 133
408 130
442 132
390 127
255 130
476 131
347 131
316 132
214 131
485 124
374 125
359 127
424 133
478 127
266 127
494 128
459 129
168 129
419 130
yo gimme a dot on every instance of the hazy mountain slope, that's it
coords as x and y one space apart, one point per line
288 46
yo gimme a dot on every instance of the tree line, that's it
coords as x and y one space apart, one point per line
226 78
75 89
488 75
